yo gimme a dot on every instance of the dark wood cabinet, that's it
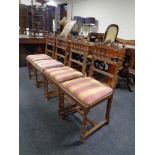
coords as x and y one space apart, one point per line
36 18
23 18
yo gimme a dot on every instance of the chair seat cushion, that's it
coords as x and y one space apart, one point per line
47 63
35 57
87 90
62 74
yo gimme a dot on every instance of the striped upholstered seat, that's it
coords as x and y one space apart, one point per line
87 90
34 57
62 74
46 64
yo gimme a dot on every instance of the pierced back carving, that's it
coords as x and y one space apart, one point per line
50 46
112 58
62 48
78 53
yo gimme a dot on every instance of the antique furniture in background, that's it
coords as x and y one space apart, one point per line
30 45
35 23
61 14
32 17
80 23
94 36
42 18
131 74
90 22
23 18
68 28
26 39
110 35
86 24
128 70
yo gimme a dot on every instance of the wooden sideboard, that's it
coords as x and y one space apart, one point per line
30 45
26 39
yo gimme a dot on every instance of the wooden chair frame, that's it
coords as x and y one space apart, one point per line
81 47
77 47
50 42
115 59
130 68
63 44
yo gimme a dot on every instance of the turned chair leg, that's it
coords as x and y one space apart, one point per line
108 109
29 70
45 87
130 83
87 132
61 104
84 126
36 78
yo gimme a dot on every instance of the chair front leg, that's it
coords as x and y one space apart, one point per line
108 109
61 103
45 87
84 126
29 70
36 78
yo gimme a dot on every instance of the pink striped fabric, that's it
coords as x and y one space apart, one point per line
48 63
87 90
62 74
35 57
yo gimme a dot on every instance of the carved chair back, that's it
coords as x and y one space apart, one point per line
50 46
112 57
62 49
78 53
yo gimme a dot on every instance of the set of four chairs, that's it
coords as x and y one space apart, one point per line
78 87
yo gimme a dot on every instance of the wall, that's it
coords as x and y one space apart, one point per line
121 12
